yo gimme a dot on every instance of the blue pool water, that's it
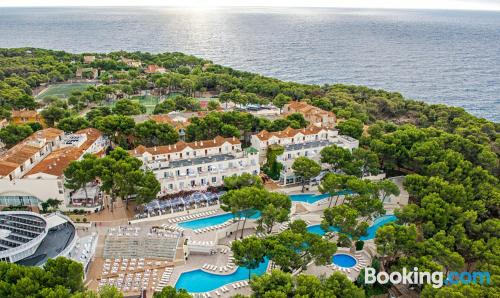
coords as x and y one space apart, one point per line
370 233
313 198
201 281
211 221
343 260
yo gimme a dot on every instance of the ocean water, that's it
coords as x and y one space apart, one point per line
450 57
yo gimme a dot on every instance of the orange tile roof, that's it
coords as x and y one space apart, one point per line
181 145
20 153
306 108
58 160
24 114
288 132
164 118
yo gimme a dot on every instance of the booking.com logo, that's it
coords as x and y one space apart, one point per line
436 279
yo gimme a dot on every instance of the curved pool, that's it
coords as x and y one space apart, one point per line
201 281
370 232
344 260
211 221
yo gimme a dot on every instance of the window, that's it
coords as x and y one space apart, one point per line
214 179
206 152
170 186
199 170
168 156
180 155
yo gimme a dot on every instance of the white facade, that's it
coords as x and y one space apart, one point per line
306 142
310 150
198 165
290 136
40 177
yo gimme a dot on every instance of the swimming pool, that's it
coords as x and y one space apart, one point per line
313 198
201 281
211 221
370 233
344 260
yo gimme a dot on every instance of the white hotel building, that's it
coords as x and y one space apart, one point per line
197 165
31 172
306 142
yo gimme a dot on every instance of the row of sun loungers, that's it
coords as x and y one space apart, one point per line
223 289
191 216
213 228
122 265
202 243
220 269
165 278
172 228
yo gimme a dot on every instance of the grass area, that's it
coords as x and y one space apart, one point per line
149 101
63 90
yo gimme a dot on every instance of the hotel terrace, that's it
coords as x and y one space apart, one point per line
32 171
197 165
306 142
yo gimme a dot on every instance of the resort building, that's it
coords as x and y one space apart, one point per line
153 68
32 171
197 165
4 123
306 142
131 62
87 73
314 115
88 59
178 122
30 239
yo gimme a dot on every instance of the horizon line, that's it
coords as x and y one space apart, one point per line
244 6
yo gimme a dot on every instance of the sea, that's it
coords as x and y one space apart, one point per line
450 57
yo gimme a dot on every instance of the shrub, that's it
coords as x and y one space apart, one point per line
359 244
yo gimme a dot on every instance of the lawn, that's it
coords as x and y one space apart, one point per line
63 90
149 101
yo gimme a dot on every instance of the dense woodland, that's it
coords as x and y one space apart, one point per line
449 156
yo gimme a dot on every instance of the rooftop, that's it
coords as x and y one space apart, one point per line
181 145
198 161
289 132
23 151
314 144
24 114
55 163
307 109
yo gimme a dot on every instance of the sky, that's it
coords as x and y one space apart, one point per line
418 4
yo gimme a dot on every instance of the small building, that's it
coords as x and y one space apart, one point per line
87 73
153 68
25 116
88 59
314 115
131 62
